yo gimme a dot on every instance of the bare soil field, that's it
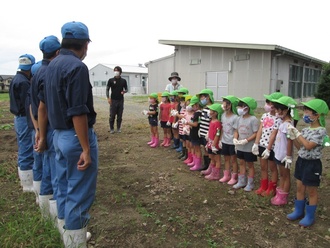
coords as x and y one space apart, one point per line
147 197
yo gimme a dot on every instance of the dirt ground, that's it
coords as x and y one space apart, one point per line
148 197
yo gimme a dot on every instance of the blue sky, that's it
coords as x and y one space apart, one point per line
126 32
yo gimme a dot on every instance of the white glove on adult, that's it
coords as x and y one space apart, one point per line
175 125
288 162
243 142
255 149
236 142
168 123
145 112
265 154
174 112
292 132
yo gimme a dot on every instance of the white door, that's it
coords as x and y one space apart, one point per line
218 83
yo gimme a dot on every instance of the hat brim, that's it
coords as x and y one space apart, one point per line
170 78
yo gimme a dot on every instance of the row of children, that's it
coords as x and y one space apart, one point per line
231 129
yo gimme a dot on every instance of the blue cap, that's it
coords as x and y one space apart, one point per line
75 30
25 62
35 67
49 44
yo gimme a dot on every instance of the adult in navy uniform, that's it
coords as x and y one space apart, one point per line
118 86
18 94
71 114
50 47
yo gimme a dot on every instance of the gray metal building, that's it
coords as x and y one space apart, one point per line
236 69
136 77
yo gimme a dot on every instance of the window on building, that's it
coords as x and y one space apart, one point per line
96 83
104 83
311 77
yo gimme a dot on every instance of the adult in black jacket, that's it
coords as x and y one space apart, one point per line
118 86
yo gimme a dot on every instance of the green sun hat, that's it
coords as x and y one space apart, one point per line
153 95
290 103
173 93
217 108
194 100
165 93
320 107
252 103
234 101
273 96
206 92
183 91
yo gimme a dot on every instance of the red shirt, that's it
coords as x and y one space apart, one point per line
165 110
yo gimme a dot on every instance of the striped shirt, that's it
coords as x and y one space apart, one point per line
205 122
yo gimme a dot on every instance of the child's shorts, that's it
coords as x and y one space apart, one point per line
153 122
195 142
228 150
209 151
183 137
271 156
247 156
308 171
163 124
203 141
278 162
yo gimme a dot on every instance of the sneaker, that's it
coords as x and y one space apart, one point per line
119 130
112 131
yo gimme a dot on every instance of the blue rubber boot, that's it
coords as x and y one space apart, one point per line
175 143
179 149
309 218
299 210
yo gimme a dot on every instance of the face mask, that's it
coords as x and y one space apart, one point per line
116 73
189 108
241 111
174 81
203 101
307 119
267 108
172 99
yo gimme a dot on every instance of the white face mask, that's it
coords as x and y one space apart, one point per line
241 111
116 73
174 81
189 108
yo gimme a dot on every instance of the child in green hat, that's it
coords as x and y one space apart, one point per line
164 116
152 114
244 136
285 108
213 138
268 122
308 168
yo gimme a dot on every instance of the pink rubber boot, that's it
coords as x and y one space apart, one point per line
282 199
155 144
168 142
215 174
233 179
192 163
226 176
151 141
208 170
189 158
197 165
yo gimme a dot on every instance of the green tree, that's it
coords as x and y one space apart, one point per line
323 87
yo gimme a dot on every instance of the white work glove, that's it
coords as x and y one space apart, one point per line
292 132
175 125
243 142
214 149
174 112
236 142
220 144
145 112
168 123
265 154
288 162
183 121
255 149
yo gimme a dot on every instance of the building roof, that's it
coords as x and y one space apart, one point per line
128 68
276 48
6 77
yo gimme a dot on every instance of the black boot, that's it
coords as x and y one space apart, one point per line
183 154
206 164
